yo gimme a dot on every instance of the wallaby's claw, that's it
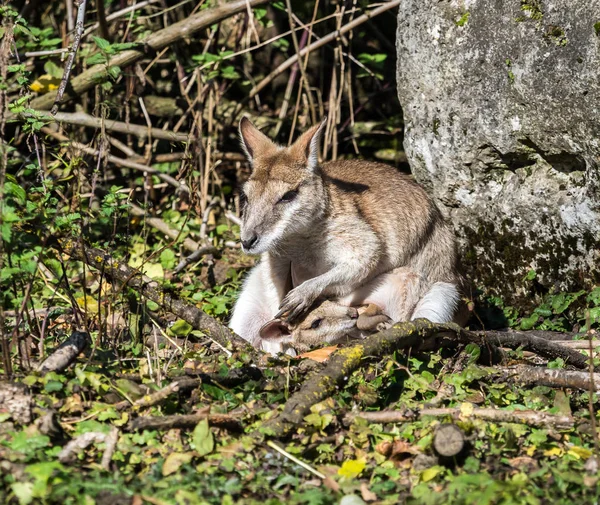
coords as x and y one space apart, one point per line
295 304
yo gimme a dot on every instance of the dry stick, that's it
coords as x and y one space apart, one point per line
65 353
160 225
540 346
315 45
151 289
119 13
528 417
71 59
83 119
156 41
111 444
119 161
184 422
154 398
102 20
552 377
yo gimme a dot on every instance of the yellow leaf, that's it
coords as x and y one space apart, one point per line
44 83
174 462
580 452
319 355
430 473
531 450
152 270
352 468
88 303
554 451
466 409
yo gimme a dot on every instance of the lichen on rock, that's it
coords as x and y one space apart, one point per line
502 126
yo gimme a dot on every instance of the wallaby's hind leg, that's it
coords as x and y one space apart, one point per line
439 304
259 299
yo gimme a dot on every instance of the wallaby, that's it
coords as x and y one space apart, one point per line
399 294
325 230
330 322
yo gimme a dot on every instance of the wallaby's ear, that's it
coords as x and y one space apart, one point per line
307 145
275 329
253 141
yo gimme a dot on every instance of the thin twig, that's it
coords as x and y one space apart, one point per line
293 458
528 417
71 59
119 161
315 45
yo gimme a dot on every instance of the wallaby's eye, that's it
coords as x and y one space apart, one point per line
316 323
288 197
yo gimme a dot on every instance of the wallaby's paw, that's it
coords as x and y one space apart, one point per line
385 325
296 303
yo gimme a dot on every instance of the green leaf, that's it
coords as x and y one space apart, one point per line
203 441
23 491
167 259
114 71
96 59
103 44
180 328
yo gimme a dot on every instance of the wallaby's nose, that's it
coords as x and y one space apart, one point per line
247 244
353 313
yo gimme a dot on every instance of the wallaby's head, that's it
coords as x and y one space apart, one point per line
285 194
329 322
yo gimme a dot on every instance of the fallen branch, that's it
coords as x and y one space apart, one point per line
150 289
552 377
185 422
542 347
66 353
528 417
414 334
83 119
166 37
80 443
345 361
160 395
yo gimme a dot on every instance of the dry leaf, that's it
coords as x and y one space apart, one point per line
320 355
366 493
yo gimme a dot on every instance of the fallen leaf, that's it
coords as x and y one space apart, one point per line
384 447
174 461
400 447
580 452
366 493
554 451
320 355
523 462
202 438
352 468
466 409
430 473
328 482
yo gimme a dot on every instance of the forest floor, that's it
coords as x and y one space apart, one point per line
152 400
